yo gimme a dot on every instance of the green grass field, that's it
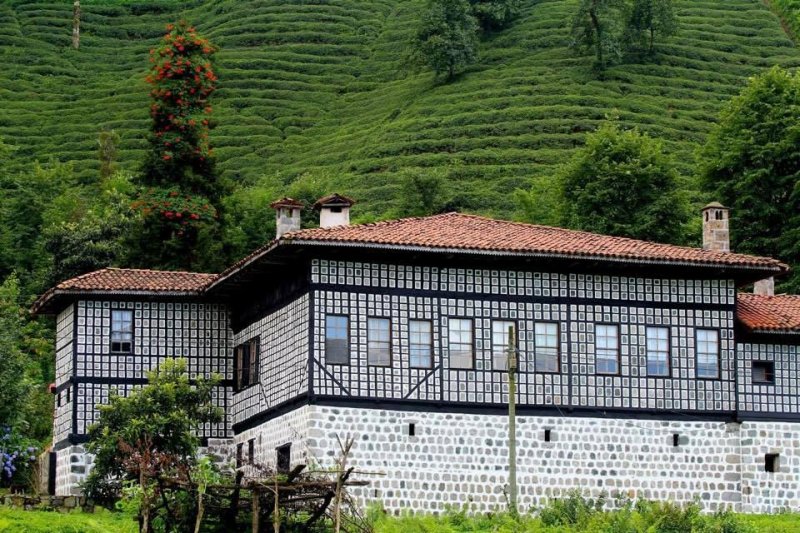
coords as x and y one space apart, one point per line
16 521
325 87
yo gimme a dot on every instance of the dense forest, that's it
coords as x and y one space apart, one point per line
616 116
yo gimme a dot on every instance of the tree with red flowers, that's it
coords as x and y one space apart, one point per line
180 201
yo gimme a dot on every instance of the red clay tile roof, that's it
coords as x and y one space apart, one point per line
471 232
129 280
770 313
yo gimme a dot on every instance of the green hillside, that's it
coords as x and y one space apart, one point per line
323 86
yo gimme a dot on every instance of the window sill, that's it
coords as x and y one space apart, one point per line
237 391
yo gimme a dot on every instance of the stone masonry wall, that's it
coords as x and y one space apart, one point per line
460 459
290 428
72 467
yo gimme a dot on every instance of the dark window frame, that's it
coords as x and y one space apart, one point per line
247 364
697 355
348 342
558 348
772 463
240 455
669 352
430 345
251 451
111 341
283 458
391 344
472 344
619 350
491 343
769 372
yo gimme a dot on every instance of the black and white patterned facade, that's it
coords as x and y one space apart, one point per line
87 369
411 360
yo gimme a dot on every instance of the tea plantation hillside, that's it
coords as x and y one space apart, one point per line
325 87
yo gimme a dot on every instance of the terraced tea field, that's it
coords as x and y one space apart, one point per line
325 86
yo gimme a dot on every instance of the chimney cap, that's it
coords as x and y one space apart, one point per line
715 205
286 202
334 200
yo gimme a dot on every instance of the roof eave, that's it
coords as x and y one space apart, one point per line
775 269
44 305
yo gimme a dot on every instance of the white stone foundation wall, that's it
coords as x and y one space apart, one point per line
72 466
768 492
290 428
461 459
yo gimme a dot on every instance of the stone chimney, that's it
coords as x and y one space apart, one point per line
287 215
765 287
334 210
716 235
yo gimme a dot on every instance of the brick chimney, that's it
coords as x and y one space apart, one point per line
334 210
716 235
287 215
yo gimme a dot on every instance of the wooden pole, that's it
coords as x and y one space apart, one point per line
256 510
76 24
512 422
276 512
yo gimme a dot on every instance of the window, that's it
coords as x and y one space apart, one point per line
707 353
337 340
239 455
283 459
420 343
676 440
246 363
251 451
763 372
460 343
548 435
772 462
501 342
412 430
606 349
657 351
546 346
121 331
379 344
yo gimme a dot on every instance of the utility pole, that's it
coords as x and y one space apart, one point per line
512 423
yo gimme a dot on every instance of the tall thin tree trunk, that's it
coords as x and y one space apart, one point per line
76 24
598 31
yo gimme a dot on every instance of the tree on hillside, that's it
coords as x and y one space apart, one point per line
181 194
150 434
12 364
598 25
649 18
751 163
447 40
621 183
495 14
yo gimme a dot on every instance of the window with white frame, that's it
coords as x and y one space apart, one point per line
460 342
707 353
546 346
657 351
337 340
606 353
420 343
121 331
379 343
501 341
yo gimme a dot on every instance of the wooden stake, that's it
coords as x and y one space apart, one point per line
256 510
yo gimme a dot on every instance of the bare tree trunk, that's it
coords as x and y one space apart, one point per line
76 24
276 511
341 463
256 511
200 511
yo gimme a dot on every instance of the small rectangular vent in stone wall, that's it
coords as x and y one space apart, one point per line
412 430
548 435
676 440
772 462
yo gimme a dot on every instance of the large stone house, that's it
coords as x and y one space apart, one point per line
643 370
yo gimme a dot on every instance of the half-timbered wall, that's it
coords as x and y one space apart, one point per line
197 332
577 302
283 360
782 396
65 327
